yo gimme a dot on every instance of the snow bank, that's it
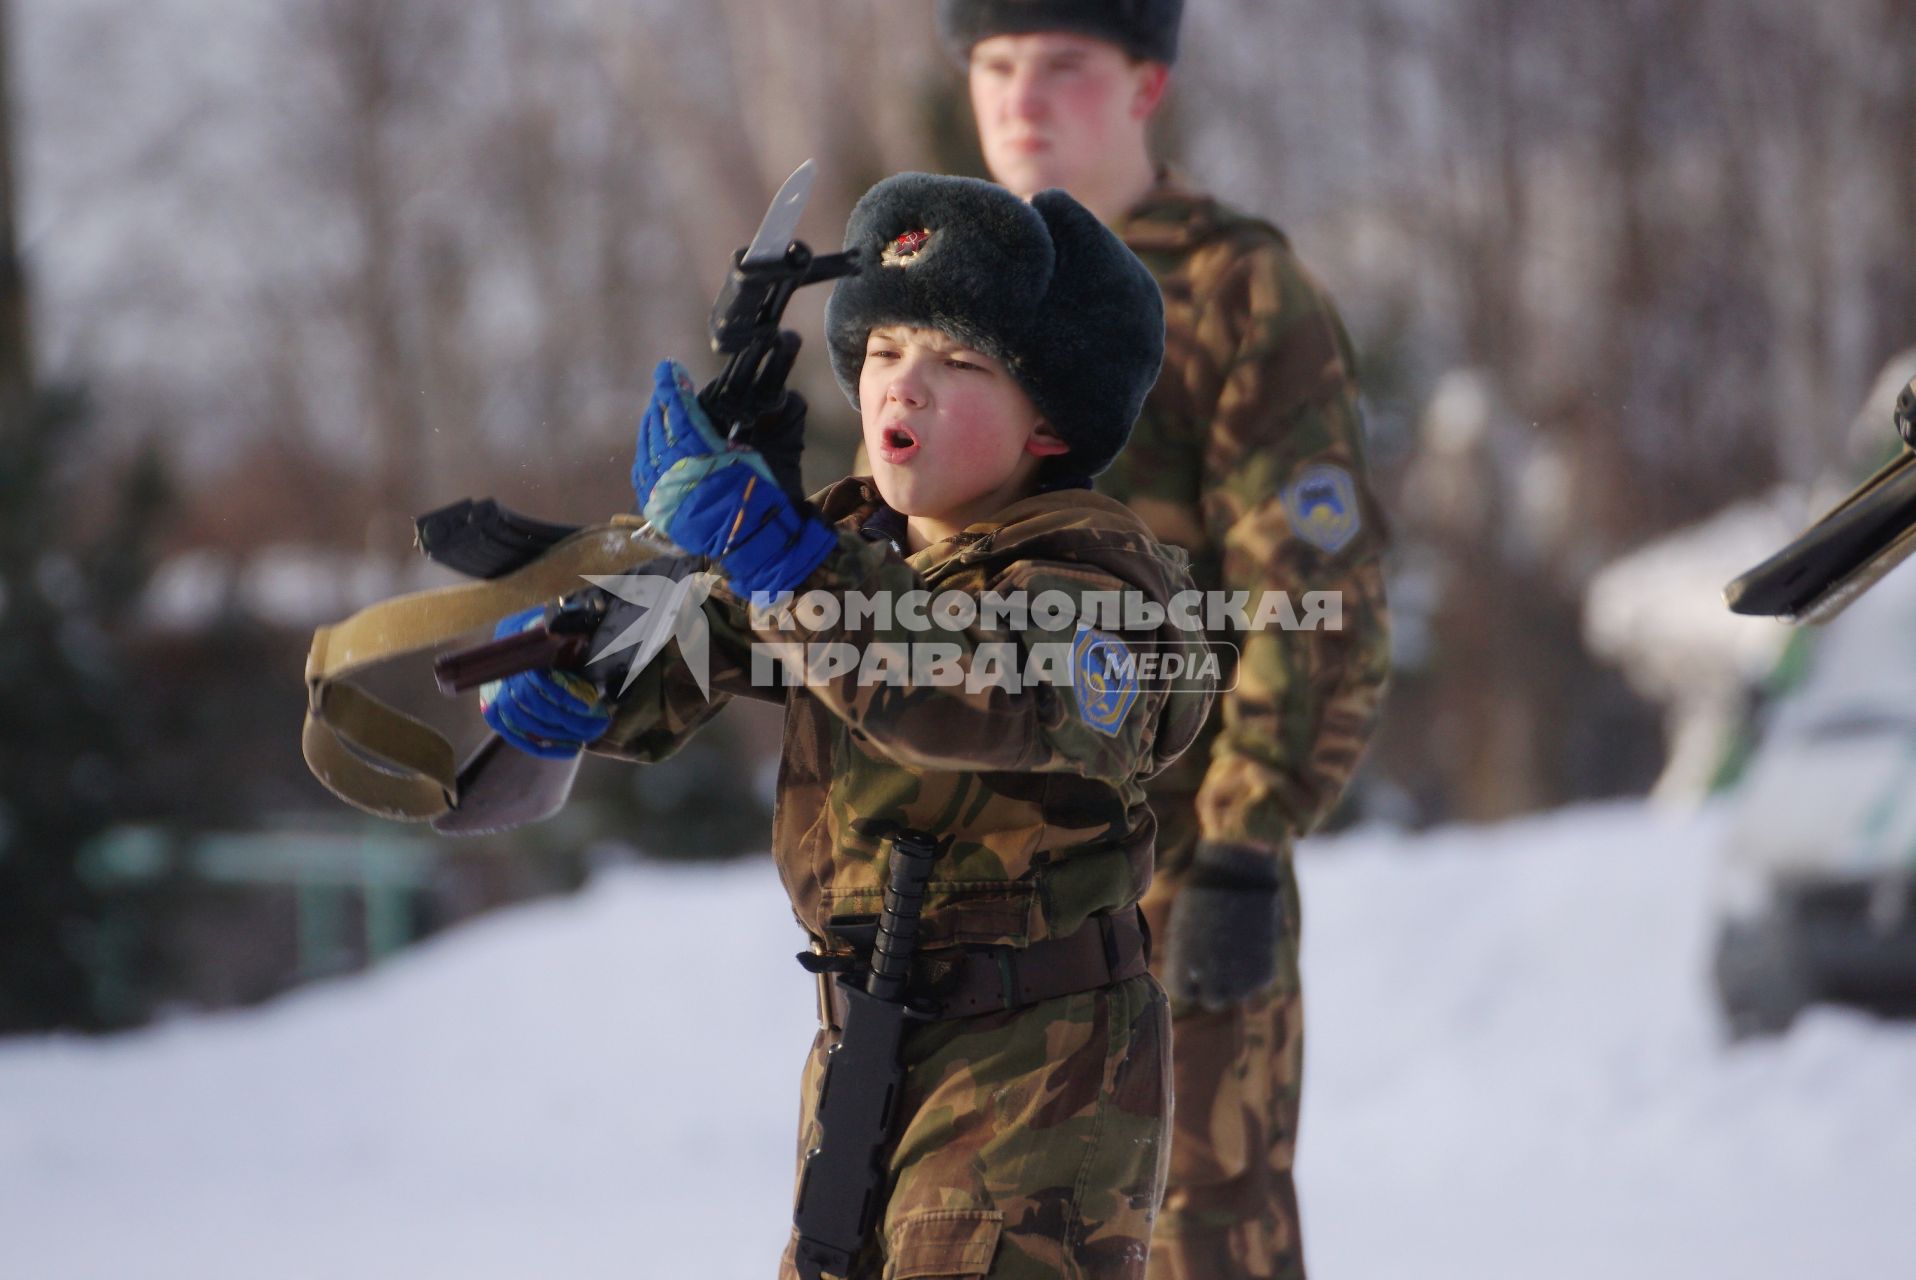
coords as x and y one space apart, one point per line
1513 1072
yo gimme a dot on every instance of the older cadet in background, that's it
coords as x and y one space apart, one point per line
1249 455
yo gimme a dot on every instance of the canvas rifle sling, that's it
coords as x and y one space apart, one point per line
379 759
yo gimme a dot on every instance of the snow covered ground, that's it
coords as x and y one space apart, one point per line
1513 1072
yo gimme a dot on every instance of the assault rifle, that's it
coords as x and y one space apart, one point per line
378 758
485 540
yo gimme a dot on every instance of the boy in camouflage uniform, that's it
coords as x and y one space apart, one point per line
1249 455
998 351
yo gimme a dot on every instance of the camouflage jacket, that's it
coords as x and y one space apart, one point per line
1249 455
1041 788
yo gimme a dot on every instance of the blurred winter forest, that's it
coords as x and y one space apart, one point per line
297 270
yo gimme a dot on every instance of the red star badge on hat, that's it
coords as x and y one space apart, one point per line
904 248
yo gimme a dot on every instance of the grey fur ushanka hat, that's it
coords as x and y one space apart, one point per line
1041 286
1142 28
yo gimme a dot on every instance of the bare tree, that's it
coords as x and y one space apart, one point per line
381 54
16 335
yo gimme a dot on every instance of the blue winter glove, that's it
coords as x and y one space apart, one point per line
549 714
719 502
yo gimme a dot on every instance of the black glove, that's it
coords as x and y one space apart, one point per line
779 437
1222 939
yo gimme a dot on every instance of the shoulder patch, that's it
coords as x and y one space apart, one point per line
1321 506
1104 675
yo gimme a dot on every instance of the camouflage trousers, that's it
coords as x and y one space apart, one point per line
1230 1206
1032 1144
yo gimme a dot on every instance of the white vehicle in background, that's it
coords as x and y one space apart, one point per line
1816 873
1819 864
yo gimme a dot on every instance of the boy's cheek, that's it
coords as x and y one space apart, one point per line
868 423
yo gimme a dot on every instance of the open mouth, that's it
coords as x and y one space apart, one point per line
896 443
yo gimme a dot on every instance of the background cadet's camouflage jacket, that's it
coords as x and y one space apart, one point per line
1249 454
1047 808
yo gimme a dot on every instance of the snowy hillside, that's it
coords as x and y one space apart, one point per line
1513 1073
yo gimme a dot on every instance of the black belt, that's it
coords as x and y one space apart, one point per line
965 983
